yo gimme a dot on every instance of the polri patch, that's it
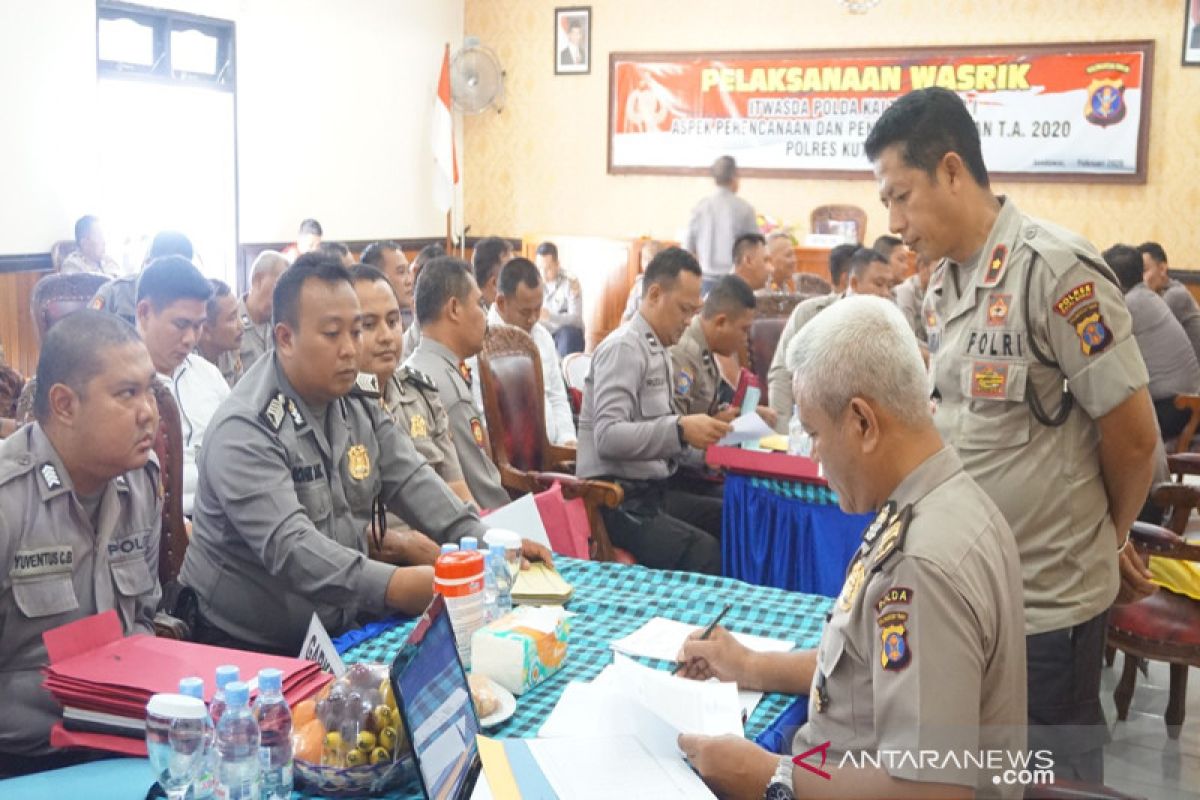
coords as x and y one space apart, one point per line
989 380
1074 297
997 309
1094 335
42 561
683 381
895 654
465 371
477 430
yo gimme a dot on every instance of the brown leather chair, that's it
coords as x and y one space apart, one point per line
56 295
823 215
168 446
810 285
510 373
60 250
771 314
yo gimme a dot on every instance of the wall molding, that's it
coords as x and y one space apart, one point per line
26 262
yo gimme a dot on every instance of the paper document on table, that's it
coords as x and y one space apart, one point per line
663 638
708 707
541 585
604 710
601 768
746 428
520 516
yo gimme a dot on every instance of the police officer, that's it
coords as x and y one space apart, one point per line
254 307
631 433
453 324
119 296
1041 389
80 514
296 470
923 650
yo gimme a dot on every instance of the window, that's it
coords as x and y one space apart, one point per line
132 41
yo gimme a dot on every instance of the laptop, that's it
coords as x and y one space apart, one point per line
435 706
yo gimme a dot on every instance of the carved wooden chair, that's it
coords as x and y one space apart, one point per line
822 216
809 285
510 373
56 295
1183 442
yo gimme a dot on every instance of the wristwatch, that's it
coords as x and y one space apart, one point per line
780 787
679 430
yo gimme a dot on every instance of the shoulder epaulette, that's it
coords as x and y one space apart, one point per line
274 411
1060 253
418 378
367 385
892 538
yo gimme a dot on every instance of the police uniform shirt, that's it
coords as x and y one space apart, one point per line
454 379
118 296
61 568
256 339
779 377
924 648
1163 343
697 379
230 365
1046 480
77 262
564 301
909 298
628 427
411 398
1184 307
284 505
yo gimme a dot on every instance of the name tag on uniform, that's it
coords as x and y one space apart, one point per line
307 473
129 545
42 561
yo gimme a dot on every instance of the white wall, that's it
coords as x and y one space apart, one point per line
334 100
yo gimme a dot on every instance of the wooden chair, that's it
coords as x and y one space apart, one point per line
1166 625
60 250
575 369
771 314
168 446
823 215
56 295
510 374
809 285
1183 442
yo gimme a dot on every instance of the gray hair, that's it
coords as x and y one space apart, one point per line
268 262
861 346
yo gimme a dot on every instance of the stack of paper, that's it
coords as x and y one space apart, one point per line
540 585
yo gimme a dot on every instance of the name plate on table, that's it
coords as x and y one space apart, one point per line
764 464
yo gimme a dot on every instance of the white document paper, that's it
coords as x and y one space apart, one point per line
607 767
591 709
746 428
707 707
663 638
520 516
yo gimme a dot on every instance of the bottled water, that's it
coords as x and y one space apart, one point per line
237 747
449 547
226 675
468 543
799 442
206 776
500 574
489 582
275 728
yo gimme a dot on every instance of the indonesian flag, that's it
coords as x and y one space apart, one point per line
444 158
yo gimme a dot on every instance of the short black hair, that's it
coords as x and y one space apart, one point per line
839 259
83 226
745 243
730 296
486 257
311 227
519 271
219 289
1126 262
886 244
365 273
665 267
548 249
862 258
442 278
335 249
724 170
427 254
1154 250
70 352
285 301
170 278
170 243
373 253
927 124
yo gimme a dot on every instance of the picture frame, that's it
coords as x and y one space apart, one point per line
1191 33
573 40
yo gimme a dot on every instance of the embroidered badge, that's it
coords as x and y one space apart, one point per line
477 430
50 476
465 371
997 310
683 381
273 413
995 265
989 380
418 428
358 462
1079 294
1094 335
97 304
852 586
896 654
893 596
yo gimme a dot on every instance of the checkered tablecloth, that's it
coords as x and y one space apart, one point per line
613 600
797 490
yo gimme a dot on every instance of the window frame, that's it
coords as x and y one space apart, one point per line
163 23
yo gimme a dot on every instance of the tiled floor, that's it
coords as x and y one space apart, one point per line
1141 759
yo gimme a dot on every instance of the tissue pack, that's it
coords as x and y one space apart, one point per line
522 648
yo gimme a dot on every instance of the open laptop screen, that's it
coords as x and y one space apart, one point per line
435 704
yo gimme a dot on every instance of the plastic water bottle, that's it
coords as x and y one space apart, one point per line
275 728
237 747
206 776
500 575
489 583
799 442
449 547
468 543
226 674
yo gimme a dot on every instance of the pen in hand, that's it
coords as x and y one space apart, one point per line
708 629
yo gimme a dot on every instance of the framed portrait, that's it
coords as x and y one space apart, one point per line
573 40
1191 33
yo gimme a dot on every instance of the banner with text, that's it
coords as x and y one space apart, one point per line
1042 110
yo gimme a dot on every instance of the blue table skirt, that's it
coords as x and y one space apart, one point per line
787 535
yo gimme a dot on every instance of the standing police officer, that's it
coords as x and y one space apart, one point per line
254 307
1043 392
80 515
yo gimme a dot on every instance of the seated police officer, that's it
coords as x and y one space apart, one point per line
297 468
924 650
80 514
630 432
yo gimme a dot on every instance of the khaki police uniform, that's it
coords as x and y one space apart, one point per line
230 364
1035 307
454 379
909 299
629 432
118 296
285 502
256 339
779 377
924 648
411 398
697 379
59 568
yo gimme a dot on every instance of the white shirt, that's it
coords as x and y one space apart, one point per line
198 388
560 428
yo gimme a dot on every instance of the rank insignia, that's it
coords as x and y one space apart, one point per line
1105 102
368 384
1074 296
895 654
931 319
477 430
995 265
892 538
989 380
358 462
273 413
879 523
997 310
852 586
683 382
418 428
820 697
1094 335
294 413
894 596
465 371
50 477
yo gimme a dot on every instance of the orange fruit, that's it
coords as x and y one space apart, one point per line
308 741
304 712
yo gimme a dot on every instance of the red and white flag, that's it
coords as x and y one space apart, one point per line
445 160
